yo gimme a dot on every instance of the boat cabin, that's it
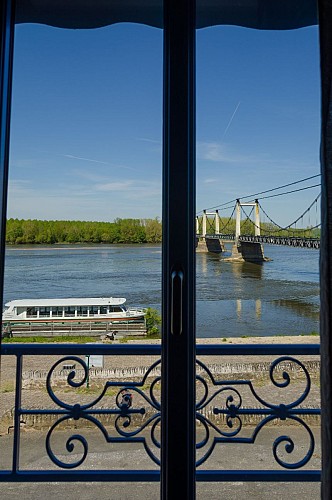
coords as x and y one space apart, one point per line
68 308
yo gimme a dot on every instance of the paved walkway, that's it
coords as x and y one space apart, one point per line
126 456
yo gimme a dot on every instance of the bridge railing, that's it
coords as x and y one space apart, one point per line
293 241
284 240
68 398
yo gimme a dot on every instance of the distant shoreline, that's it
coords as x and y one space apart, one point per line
72 246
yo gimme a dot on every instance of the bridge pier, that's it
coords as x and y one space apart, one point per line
213 245
236 253
252 252
248 251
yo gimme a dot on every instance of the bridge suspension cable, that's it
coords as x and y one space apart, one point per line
286 228
288 192
267 191
230 218
295 221
248 217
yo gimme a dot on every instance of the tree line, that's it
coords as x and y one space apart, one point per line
20 231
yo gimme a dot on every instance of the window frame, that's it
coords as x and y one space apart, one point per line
178 446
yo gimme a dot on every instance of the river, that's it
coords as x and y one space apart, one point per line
280 297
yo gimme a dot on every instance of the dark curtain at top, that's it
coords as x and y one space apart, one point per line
325 22
260 14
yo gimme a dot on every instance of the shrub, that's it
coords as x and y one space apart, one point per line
152 321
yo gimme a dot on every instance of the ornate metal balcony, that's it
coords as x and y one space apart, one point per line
127 411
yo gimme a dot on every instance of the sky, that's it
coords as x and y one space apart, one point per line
87 120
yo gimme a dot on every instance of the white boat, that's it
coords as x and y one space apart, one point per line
77 310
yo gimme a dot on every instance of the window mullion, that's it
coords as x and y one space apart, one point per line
178 351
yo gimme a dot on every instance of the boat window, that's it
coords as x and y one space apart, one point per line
103 310
31 312
115 309
69 311
57 311
44 311
82 311
94 310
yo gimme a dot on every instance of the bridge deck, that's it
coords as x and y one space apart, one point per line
301 242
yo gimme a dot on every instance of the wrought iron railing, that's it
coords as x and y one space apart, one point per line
132 413
294 241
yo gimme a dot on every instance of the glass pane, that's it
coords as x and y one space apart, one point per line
257 258
83 256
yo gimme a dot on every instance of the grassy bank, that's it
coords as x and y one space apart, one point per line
80 339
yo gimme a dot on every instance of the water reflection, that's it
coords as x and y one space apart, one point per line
258 309
238 308
300 307
208 262
204 263
247 270
280 297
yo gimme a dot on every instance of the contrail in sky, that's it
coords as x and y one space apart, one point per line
231 119
145 139
85 159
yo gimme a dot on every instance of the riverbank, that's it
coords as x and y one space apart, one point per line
40 363
277 339
120 368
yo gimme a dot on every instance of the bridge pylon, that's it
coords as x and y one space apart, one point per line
215 214
209 243
247 251
238 218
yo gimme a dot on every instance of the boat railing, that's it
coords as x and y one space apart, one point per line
136 310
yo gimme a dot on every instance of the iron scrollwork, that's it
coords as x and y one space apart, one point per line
124 410
233 411
142 399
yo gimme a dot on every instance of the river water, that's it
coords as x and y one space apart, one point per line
280 297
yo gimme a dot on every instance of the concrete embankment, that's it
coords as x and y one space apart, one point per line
132 368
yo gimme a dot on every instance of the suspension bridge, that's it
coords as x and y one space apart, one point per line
249 226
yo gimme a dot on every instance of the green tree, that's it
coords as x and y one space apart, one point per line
152 321
153 230
14 231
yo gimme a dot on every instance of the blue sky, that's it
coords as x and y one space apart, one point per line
87 120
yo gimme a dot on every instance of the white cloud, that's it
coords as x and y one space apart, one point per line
262 162
132 187
217 152
18 185
210 181
114 186
130 198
